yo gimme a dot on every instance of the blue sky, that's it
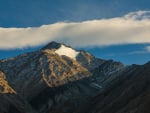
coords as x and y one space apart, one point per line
35 13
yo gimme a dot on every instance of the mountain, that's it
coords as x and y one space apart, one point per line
129 93
58 78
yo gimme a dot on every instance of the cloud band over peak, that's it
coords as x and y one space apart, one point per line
129 29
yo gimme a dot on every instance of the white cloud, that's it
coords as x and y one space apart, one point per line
129 29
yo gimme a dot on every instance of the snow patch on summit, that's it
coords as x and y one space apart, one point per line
67 51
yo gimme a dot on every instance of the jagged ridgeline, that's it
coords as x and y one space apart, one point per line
60 79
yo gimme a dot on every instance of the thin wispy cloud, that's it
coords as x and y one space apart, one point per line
137 52
148 48
145 50
128 29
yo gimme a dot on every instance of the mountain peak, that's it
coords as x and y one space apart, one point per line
55 45
52 45
62 49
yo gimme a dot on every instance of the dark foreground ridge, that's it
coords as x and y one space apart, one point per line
52 81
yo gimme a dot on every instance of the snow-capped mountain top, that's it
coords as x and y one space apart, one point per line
62 49
86 59
67 51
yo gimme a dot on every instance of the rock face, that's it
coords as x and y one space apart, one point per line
52 81
4 86
40 69
10 101
128 93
